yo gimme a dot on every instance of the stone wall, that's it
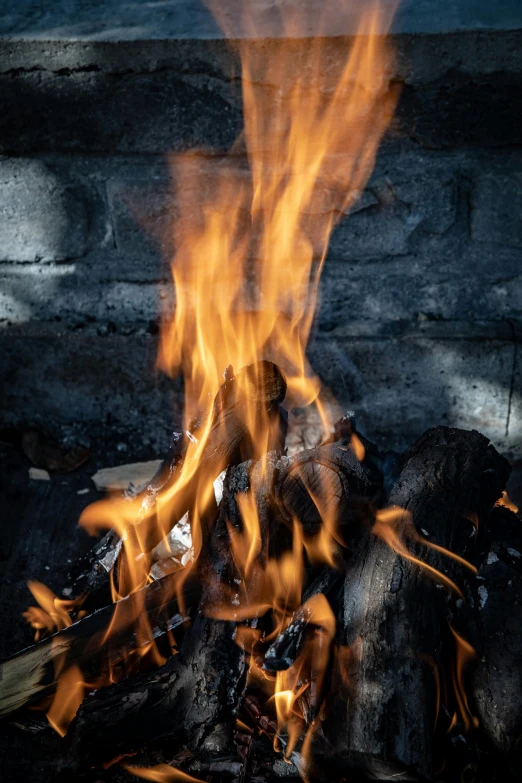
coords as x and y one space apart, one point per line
421 298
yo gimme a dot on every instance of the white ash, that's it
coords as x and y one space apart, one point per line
513 552
177 543
483 596
218 486
492 558
37 474
424 531
112 555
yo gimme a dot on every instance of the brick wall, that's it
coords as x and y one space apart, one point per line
421 298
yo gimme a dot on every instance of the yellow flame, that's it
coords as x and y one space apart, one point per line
464 653
162 773
250 245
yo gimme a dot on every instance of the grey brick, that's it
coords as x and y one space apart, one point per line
57 379
401 386
496 209
41 215
402 207
39 292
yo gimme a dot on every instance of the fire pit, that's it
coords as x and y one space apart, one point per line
285 596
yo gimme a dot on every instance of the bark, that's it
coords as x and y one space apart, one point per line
147 615
497 678
384 693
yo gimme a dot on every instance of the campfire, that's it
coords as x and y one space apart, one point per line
259 605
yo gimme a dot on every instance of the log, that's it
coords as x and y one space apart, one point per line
147 615
496 682
383 704
195 697
229 442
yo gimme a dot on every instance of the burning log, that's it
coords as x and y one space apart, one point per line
497 678
261 388
34 673
197 694
384 697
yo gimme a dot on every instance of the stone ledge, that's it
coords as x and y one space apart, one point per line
191 19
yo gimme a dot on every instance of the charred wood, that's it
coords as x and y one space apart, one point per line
134 622
384 690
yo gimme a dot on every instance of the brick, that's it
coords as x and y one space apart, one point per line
402 208
71 295
56 379
514 430
42 215
107 112
496 206
401 386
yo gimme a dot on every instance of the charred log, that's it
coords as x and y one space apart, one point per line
383 709
134 622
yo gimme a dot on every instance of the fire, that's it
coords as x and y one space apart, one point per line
246 274
52 613
464 655
162 773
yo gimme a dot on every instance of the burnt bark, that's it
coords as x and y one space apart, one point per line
497 678
384 691
141 618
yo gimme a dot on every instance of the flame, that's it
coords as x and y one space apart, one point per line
250 245
464 654
505 501
52 614
162 773
69 695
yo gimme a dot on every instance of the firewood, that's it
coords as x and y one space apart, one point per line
195 697
497 678
383 693
34 673
229 442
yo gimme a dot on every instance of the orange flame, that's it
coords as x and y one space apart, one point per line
69 695
52 614
464 654
162 773
246 272
505 501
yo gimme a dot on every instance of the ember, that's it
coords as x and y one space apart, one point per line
321 606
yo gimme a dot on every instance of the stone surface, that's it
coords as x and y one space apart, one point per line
41 216
400 208
115 113
53 378
398 385
116 20
496 207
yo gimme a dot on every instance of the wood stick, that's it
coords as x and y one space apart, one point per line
142 617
